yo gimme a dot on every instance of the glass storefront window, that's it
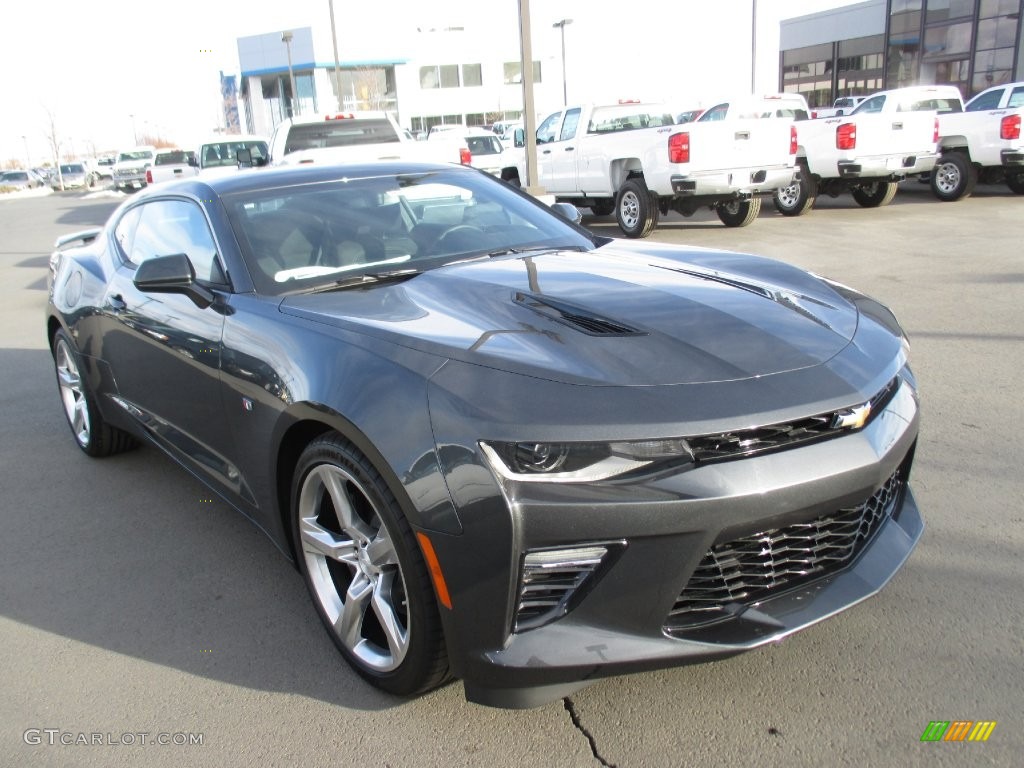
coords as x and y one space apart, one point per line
992 8
942 10
947 40
996 33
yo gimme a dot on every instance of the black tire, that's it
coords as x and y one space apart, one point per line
1015 181
875 194
603 207
739 213
364 571
636 209
92 434
798 198
953 177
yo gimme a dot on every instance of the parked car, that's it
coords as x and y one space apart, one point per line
170 164
497 446
633 160
129 171
485 148
73 176
221 152
21 179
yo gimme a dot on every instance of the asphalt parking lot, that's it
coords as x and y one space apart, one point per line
134 606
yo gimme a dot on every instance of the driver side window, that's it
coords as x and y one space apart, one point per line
165 227
546 132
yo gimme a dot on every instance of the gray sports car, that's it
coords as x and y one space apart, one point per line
498 447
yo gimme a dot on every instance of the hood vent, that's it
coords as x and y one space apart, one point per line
581 319
715 277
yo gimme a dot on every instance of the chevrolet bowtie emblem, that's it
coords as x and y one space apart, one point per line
852 418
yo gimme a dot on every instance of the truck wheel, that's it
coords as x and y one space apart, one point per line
636 210
798 198
739 213
1015 181
874 195
953 177
603 207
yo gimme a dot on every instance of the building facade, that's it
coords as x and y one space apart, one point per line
880 44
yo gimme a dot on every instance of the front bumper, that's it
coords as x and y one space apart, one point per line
735 182
892 167
657 532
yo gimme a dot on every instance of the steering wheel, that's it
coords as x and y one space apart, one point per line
461 237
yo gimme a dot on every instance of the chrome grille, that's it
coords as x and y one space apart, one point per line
752 568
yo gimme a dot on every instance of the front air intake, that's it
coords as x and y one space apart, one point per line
554 580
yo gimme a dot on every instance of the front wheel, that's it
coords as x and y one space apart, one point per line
953 177
739 213
92 434
636 210
363 568
798 198
1015 181
875 194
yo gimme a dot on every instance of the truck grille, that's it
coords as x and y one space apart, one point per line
752 568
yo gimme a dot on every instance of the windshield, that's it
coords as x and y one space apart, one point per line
141 155
343 132
222 153
71 168
309 236
173 157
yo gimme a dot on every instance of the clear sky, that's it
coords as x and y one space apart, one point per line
94 65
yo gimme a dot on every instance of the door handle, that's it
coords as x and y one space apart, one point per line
897 126
117 302
546 152
569 149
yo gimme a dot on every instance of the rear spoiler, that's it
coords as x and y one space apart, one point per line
84 237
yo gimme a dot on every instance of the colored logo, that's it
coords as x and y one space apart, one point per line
958 730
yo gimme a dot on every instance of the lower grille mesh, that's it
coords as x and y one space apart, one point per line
754 567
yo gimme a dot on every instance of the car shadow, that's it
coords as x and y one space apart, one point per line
88 215
133 555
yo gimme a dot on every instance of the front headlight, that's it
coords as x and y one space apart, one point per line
581 462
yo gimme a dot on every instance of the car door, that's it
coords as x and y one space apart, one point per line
561 166
163 350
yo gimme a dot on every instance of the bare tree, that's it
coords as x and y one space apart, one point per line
370 88
55 143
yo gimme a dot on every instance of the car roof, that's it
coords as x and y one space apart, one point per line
286 176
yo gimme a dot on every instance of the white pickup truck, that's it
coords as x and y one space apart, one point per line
355 137
980 141
129 171
170 164
866 153
633 160
844 105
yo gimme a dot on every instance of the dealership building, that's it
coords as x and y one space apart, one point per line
455 74
881 44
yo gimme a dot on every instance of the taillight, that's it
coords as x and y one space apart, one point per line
846 136
792 140
935 132
679 148
1009 128
340 116
465 156
149 176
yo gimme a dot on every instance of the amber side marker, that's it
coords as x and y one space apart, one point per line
435 570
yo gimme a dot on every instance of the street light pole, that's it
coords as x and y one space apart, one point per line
28 159
337 63
286 38
565 87
135 134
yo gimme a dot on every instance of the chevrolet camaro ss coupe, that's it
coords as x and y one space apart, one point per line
497 447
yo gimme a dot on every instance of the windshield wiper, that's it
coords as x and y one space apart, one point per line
532 248
367 278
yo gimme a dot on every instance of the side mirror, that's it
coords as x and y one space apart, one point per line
193 161
519 138
172 274
244 158
568 211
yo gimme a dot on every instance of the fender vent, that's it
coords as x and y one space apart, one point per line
581 319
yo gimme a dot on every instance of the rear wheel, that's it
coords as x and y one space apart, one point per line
1015 181
874 195
636 210
953 177
93 435
363 568
739 213
798 198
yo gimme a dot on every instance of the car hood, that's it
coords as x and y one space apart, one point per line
615 316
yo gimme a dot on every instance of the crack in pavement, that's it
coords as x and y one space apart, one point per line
574 716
